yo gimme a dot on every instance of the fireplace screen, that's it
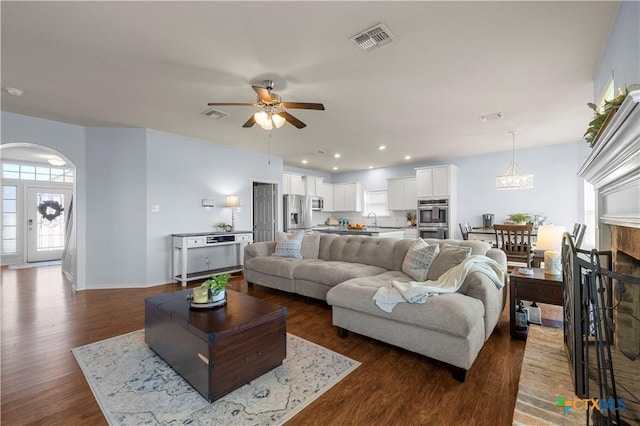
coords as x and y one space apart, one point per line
602 334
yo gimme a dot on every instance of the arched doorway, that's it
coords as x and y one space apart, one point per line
38 218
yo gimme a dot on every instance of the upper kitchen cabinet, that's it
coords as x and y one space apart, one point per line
312 185
325 190
293 184
402 193
347 197
436 182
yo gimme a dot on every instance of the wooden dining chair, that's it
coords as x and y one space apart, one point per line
515 241
465 227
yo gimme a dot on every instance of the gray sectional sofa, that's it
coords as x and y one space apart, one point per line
346 272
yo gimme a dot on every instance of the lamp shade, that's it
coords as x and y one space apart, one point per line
261 117
232 201
549 237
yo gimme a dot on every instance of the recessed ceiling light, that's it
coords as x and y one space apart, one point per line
382 147
15 91
407 157
304 161
335 167
336 155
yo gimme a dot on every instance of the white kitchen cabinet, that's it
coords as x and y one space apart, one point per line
347 197
325 190
410 233
435 182
293 184
402 194
312 185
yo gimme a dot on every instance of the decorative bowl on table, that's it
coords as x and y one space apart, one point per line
359 226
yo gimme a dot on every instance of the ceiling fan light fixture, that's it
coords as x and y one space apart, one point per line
278 120
267 125
261 117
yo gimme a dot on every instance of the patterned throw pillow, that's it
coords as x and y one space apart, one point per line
419 258
288 245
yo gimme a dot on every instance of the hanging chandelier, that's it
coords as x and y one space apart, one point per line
514 177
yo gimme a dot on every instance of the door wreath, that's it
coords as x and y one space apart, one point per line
50 210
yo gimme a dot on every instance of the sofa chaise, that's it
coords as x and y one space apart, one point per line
347 271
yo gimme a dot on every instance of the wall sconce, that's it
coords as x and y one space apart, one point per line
549 239
207 203
233 202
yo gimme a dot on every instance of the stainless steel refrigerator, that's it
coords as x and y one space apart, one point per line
297 212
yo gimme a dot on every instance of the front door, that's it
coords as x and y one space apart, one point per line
264 208
46 217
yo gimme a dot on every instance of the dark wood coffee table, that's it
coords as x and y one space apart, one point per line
217 350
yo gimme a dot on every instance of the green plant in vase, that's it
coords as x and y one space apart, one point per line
519 218
216 285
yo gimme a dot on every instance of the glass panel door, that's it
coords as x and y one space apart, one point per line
46 218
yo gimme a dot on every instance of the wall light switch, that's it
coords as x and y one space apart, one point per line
155 208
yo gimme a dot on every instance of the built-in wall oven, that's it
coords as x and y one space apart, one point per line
433 218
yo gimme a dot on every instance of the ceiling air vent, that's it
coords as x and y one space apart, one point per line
373 38
492 116
214 113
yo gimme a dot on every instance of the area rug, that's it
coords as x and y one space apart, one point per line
35 264
134 386
545 382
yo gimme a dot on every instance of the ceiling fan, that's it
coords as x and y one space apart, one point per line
272 109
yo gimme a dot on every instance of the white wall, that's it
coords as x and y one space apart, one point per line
181 172
621 56
69 140
557 191
116 213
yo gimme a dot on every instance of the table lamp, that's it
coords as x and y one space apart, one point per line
549 239
233 202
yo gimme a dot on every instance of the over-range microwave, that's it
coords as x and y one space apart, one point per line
317 203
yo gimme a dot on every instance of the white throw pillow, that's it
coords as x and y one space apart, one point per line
288 245
419 258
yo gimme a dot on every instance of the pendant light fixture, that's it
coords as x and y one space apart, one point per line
514 177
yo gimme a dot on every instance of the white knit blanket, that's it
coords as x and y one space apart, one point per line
449 282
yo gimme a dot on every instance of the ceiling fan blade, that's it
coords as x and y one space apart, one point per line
250 122
303 105
291 119
228 104
263 94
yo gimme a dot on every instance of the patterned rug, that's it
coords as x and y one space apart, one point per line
135 386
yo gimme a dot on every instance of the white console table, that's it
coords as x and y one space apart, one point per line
182 243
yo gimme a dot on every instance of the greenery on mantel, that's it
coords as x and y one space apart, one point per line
601 119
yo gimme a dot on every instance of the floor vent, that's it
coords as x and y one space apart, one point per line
373 38
214 113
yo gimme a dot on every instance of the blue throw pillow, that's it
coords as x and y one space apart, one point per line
289 245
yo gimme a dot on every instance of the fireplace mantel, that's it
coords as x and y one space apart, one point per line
613 168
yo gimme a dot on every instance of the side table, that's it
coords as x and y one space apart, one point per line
538 287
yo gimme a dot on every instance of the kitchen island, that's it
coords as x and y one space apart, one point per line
370 232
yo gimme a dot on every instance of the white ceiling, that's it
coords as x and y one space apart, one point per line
157 65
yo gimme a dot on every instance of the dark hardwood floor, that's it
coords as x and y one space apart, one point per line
43 319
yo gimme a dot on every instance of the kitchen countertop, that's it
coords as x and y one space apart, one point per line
343 230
